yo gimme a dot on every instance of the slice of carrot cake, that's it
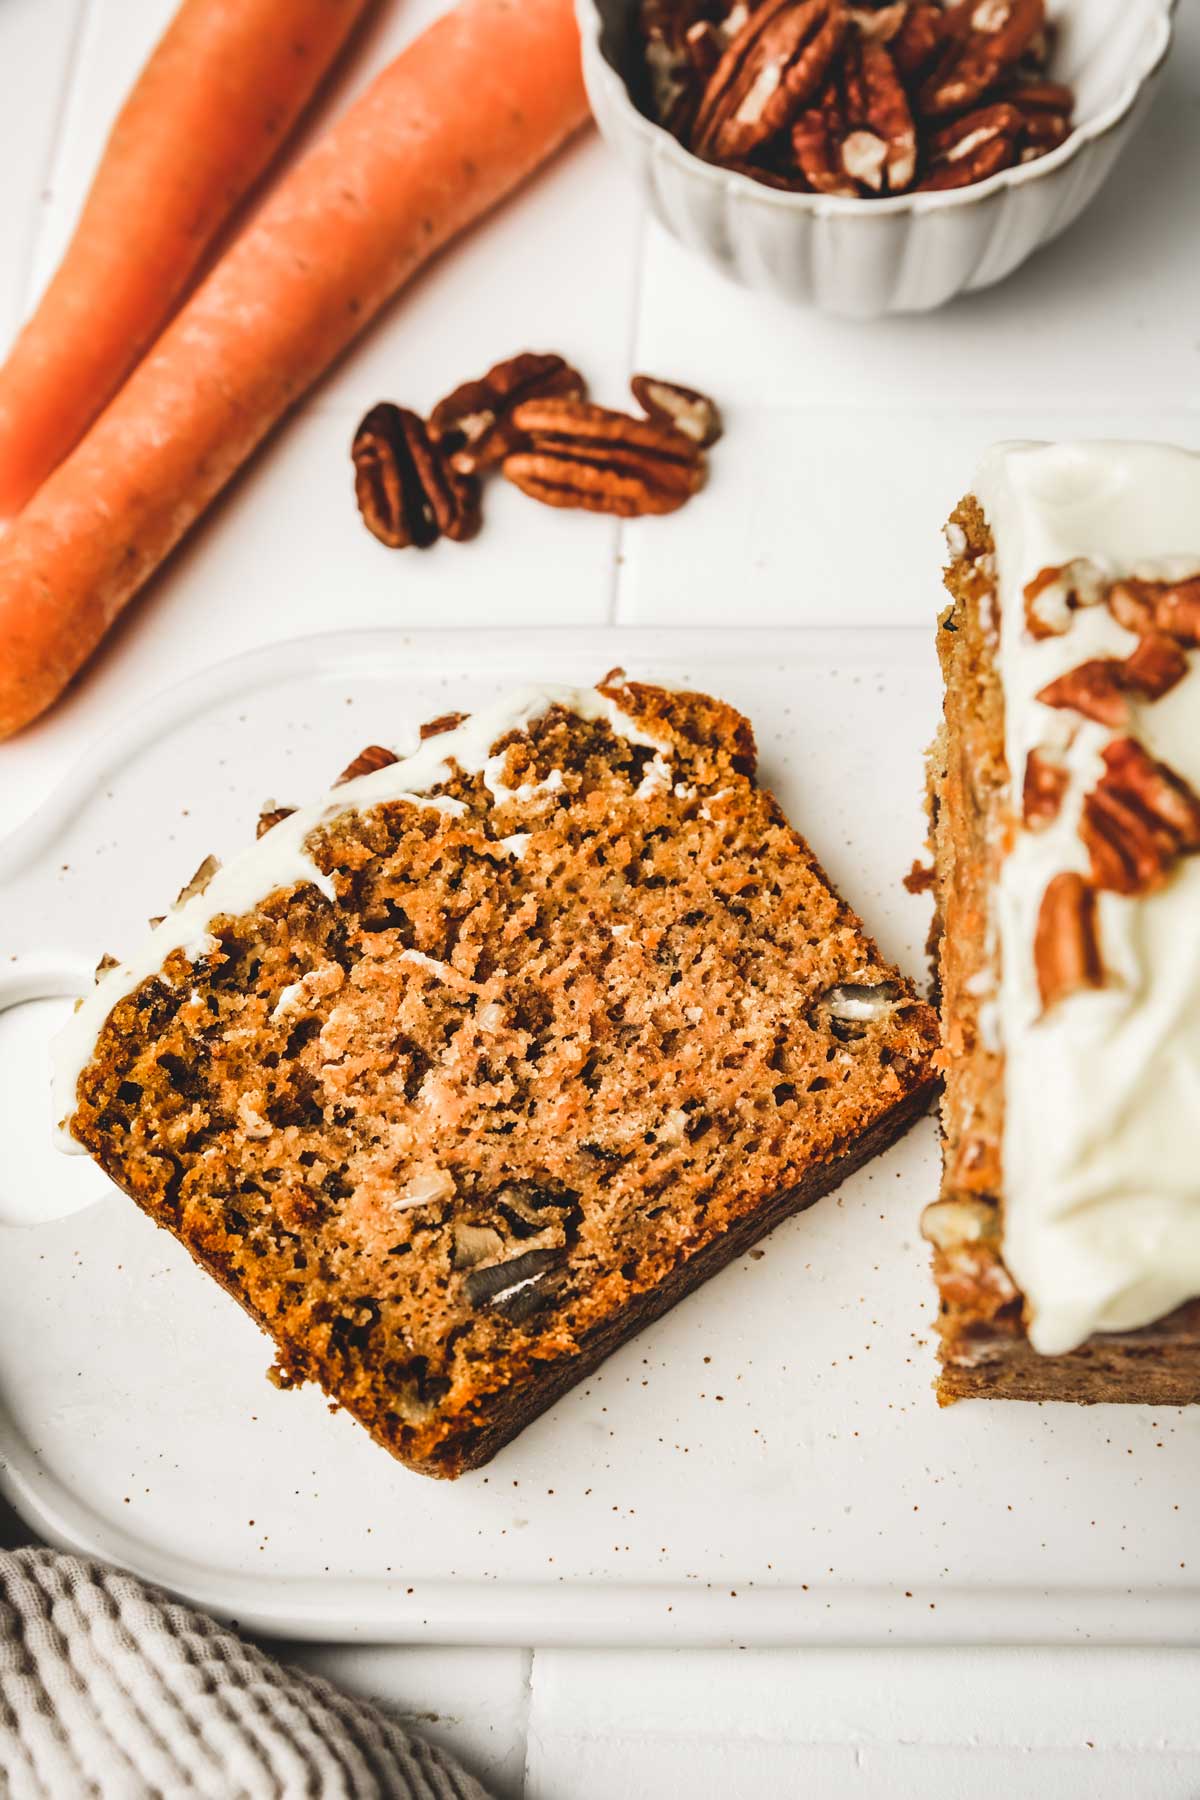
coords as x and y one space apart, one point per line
1065 790
464 1073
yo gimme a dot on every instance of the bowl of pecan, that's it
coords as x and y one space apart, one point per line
872 157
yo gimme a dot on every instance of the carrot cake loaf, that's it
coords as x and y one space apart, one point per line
1065 804
461 1075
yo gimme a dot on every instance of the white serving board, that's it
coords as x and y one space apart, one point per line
766 1465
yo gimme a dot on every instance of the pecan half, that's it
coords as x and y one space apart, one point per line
366 763
407 493
586 456
1055 593
1044 788
1172 608
1047 113
972 148
984 39
473 425
1138 821
776 65
692 413
1066 945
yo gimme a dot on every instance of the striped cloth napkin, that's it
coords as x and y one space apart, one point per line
109 1688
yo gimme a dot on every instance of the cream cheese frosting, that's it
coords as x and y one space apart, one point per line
281 859
1102 1093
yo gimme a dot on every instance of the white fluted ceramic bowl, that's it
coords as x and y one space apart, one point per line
863 258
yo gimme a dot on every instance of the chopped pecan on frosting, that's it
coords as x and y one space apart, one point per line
1102 688
1156 666
1044 788
1097 689
366 763
1138 821
1066 949
1166 607
1056 593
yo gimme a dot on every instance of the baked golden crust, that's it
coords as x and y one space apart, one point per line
455 1134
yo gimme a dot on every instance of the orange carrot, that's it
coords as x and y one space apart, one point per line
221 91
453 124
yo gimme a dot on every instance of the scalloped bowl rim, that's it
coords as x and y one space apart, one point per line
659 142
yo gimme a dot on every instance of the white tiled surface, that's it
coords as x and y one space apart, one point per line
845 447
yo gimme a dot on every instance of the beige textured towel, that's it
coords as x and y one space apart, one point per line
109 1688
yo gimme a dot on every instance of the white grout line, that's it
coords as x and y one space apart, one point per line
527 1711
86 14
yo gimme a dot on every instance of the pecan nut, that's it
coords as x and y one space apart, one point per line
1171 608
473 425
777 64
695 415
270 817
1046 109
580 455
1097 689
407 492
443 722
1100 688
972 149
882 22
1044 788
861 139
366 763
1066 945
1138 821
1155 667
920 37
682 43
984 40
1026 122
1055 593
